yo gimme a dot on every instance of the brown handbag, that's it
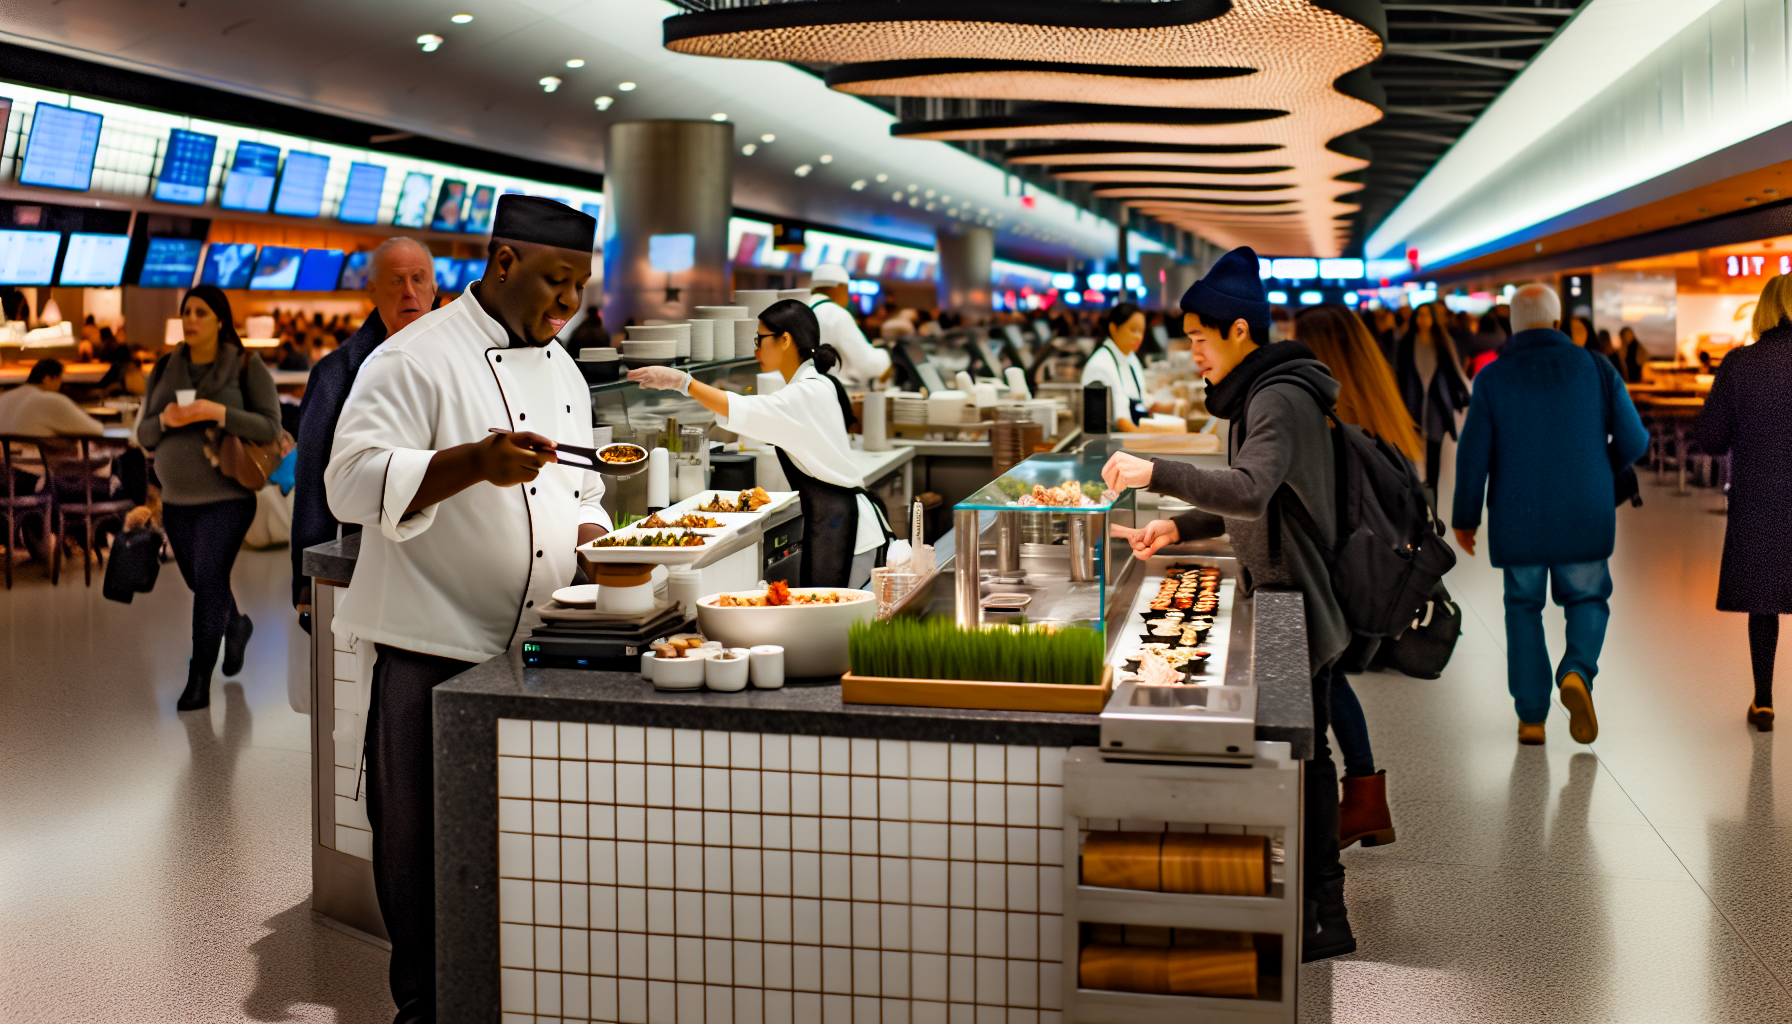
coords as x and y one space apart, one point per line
246 462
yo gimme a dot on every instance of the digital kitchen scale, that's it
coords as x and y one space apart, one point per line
598 646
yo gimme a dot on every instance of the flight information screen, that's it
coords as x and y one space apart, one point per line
228 264
250 185
319 270
186 167
302 185
28 257
60 152
170 263
413 201
361 198
94 261
278 268
354 271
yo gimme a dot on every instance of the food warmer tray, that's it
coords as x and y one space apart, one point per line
716 542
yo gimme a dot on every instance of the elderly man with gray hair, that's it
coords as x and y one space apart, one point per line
1549 427
401 282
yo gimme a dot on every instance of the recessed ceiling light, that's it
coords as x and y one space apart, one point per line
929 207
549 84
827 158
882 178
803 171
914 201
898 196
576 62
461 19
626 86
859 186
430 42
768 137
603 102
718 116
914 187
931 193
749 149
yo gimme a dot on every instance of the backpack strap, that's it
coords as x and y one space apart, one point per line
1284 493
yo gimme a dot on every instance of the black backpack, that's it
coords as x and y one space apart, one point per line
1390 552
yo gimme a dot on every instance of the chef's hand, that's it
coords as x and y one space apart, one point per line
511 459
1154 536
662 378
1466 538
202 410
1124 471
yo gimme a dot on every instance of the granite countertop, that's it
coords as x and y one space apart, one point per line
334 560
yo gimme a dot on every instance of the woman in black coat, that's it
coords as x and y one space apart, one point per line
1430 377
1747 415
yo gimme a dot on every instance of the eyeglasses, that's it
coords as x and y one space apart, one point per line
760 339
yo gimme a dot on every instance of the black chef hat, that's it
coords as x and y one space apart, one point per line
544 222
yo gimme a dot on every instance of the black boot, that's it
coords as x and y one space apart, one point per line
1326 924
236 642
198 693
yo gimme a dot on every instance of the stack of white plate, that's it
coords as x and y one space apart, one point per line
799 294
950 409
703 340
679 335
756 301
1043 411
907 407
598 355
652 345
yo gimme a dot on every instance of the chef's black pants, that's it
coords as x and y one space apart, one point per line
401 808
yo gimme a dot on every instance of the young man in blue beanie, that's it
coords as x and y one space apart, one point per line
1280 438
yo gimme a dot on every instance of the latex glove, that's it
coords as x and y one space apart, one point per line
662 378
1124 471
1147 541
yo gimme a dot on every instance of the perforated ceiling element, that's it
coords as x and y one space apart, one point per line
1121 55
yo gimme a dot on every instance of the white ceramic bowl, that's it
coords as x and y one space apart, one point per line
658 348
599 355
684 673
659 332
722 312
726 676
813 635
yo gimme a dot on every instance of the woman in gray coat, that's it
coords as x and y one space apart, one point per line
207 514
1749 415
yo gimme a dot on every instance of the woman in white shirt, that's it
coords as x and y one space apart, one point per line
808 421
1116 364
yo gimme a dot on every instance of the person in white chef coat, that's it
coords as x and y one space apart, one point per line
861 363
466 533
1115 363
808 422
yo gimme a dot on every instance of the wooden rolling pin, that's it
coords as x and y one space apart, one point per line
1124 860
1218 865
1169 970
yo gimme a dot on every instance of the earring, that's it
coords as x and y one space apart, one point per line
500 278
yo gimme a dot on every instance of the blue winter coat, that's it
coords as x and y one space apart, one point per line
325 392
1534 447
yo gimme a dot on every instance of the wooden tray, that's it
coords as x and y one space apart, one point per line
965 693
1172 444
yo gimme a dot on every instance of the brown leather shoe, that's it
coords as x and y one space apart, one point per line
1583 725
1530 733
1760 718
1363 816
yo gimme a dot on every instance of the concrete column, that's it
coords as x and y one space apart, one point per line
965 255
665 178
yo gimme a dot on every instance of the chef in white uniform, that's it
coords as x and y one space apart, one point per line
466 533
1115 363
807 420
861 363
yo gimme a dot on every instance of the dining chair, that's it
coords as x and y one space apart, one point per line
19 506
72 463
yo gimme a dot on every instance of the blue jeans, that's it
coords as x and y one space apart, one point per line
1351 728
1581 589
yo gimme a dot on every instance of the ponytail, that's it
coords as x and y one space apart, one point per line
788 316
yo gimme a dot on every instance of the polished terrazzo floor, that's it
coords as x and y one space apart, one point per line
154 867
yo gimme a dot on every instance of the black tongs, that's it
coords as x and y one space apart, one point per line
584 456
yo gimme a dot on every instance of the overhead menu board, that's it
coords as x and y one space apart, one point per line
94 261
170 263
250 184
413 201
28 257
361 197
228 264
479 214
186 167
302 184
277 269
319 270
60 152
448 204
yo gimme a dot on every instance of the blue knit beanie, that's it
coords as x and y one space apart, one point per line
1232 290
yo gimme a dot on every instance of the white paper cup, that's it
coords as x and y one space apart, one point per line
728 676
767 666
186 396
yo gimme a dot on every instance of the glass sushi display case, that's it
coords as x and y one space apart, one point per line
1034 545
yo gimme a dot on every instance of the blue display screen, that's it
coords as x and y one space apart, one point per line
479 214
277 269
94 261
361 198
413 201
170 263
448 203
354 271
319 270
250 184
186 167
447 274
28 257
470 271
228 264
302 185
60 152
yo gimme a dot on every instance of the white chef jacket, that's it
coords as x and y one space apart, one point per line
861 363
803 418
463 577
1124 376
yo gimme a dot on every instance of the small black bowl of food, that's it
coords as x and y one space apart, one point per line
621 459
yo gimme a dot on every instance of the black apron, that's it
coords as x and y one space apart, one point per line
1137 410
830 526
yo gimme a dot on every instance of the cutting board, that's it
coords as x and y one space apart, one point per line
975 695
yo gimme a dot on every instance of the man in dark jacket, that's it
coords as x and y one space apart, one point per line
1535 445
401 281
1279 439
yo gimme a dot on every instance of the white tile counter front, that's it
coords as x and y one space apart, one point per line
699 877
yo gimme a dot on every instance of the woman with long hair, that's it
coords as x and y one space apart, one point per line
205 513
808 421
1429 375
1746 415
1631 356
1368 398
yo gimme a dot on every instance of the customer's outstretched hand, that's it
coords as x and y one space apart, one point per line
1123 471
1149 539
1466 538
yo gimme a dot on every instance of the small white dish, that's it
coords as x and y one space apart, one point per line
1014 601
726 671
684 673
647 659
767 666
582 596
